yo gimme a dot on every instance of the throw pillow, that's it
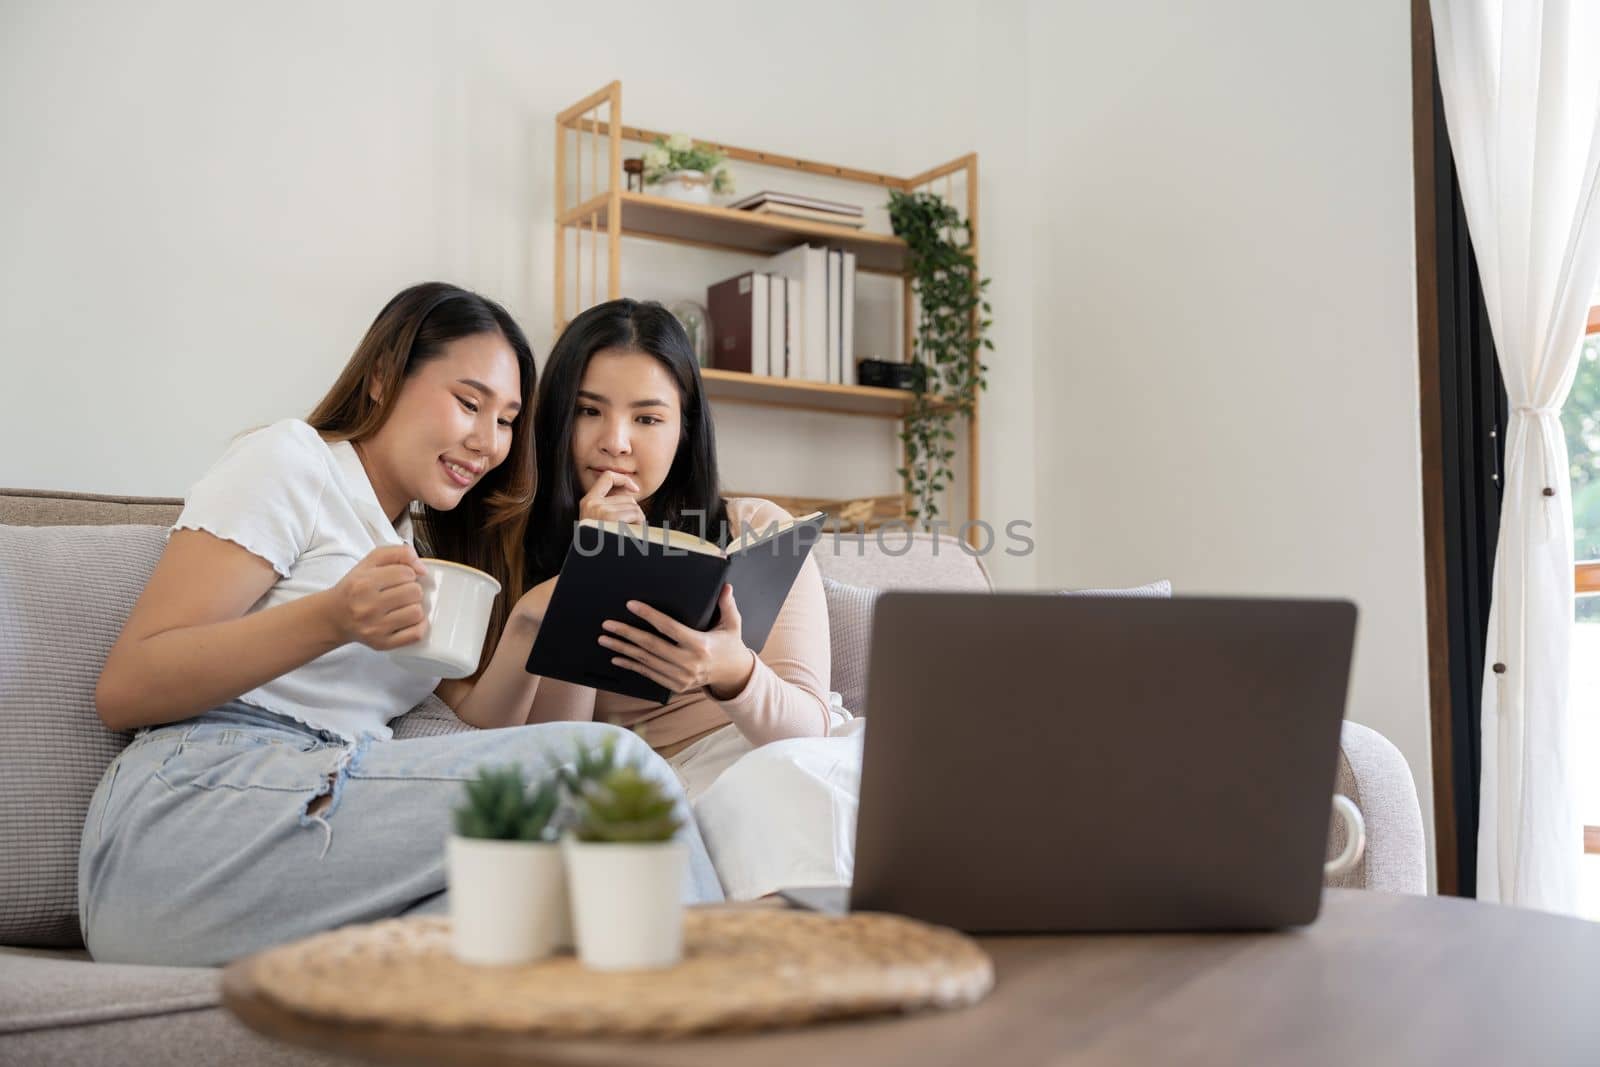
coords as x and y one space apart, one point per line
1161 589
850 633
65 592
850 610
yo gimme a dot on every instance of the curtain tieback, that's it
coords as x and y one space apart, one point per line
1548 492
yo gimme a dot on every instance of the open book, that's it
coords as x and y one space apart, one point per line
674 572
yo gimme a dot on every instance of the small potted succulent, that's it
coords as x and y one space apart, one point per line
625 872
679 169
508 890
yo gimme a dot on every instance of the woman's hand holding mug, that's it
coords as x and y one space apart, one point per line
379 602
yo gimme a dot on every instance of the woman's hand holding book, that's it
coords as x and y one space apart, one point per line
682 658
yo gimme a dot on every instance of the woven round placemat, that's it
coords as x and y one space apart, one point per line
742 969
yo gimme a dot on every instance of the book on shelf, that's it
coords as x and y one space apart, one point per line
795 320
674 572
792 321
740 308
847 341
806 214
772 196
835 312
809 267
777 326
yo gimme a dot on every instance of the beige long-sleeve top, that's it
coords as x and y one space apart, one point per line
787 695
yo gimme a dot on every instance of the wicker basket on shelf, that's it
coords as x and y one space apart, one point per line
852 513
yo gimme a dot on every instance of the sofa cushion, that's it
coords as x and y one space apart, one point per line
56 1007
850 610
431 718
898 559
65 592
49 989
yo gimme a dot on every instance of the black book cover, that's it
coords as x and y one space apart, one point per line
607 566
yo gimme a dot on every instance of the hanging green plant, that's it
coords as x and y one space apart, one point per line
950 337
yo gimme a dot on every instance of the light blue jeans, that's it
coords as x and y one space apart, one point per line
200 844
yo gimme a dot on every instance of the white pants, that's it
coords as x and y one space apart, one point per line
778 816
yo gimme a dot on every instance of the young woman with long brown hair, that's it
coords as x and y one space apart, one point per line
264 797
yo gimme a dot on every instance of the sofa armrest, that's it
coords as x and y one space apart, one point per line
1374 774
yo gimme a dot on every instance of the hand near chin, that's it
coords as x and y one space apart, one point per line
614 498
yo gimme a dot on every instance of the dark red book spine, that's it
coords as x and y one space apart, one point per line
732 340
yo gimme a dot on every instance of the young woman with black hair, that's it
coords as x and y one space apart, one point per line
623 432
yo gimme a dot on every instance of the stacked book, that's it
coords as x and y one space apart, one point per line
795 206
795 319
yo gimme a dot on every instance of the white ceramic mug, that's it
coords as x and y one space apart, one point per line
1355 842
456 600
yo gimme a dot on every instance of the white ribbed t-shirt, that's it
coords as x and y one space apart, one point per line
307 507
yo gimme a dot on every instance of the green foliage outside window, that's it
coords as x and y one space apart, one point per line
1581 420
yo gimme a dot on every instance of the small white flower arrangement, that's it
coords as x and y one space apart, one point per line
679 153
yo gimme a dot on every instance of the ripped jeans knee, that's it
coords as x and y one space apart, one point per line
324 803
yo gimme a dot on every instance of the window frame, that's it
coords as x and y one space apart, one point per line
1586 582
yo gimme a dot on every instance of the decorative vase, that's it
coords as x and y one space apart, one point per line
508 900
627 903
693 186
696 322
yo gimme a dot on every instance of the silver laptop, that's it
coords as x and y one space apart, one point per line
1036 762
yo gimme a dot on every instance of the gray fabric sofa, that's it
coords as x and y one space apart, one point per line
70 567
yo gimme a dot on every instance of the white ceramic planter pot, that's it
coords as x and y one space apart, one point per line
691 185
627 903
508 900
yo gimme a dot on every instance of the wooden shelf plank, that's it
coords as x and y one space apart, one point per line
744 388
746 155
708 226
1586 577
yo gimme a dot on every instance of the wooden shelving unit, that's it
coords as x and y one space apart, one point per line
806 396
708 226
594 212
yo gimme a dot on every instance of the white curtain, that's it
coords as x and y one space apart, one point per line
1520 80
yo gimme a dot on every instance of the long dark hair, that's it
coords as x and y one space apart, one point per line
690 499
487 528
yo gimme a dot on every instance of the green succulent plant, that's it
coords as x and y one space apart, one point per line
500 807
625 806
590 765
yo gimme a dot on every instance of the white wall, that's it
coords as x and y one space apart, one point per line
1197 217
1225 314
205 204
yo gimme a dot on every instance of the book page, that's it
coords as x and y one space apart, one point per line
757 535
676 539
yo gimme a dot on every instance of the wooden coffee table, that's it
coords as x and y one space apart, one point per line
1378 979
